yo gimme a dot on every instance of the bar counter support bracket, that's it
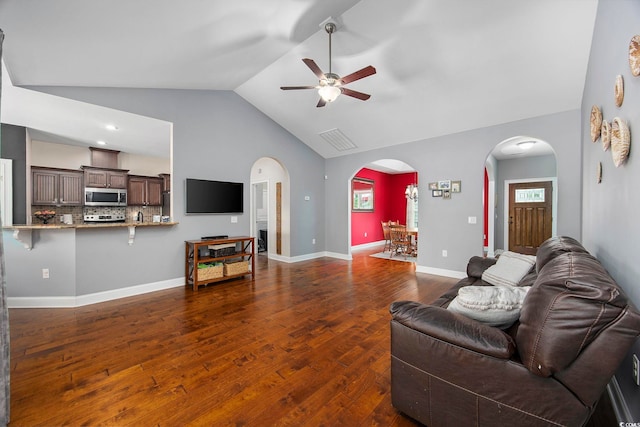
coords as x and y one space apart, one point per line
24 237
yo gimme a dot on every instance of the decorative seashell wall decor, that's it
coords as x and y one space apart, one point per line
596 123
605 134
634 55
619 90
620 141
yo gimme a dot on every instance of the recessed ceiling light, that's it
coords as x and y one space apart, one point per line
111 127
101 142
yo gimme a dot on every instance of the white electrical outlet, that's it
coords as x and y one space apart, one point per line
365 234
313 241
444 253
45 273
234 219
636 370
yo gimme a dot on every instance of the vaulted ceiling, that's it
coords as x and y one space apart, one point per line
442 66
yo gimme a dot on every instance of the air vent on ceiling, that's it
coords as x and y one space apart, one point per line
338 140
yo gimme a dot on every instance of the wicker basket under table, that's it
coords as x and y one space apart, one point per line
233 268
213 272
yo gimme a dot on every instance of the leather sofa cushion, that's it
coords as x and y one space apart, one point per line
477 265
571 301
555 246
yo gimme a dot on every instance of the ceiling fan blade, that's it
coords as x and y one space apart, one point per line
297 87
314 67
360 74
321 103
355 94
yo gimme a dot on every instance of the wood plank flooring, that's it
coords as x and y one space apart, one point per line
305 344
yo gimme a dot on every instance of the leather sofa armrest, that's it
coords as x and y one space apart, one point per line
477 265
453 328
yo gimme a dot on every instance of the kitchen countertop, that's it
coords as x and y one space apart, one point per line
87 225
23 233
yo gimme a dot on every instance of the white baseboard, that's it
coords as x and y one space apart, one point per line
81 300
308 257
368 245
441 272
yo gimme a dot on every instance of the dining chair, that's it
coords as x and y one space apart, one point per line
401 241
387 235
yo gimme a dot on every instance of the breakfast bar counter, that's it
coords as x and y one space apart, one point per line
23 233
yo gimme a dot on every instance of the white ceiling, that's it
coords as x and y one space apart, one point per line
442 66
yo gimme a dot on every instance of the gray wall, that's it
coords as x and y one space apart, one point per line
510 169
611 230
217 135
13 147
462 156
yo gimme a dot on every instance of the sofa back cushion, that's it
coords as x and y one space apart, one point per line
572 301
555 246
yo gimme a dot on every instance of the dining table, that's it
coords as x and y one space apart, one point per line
412 232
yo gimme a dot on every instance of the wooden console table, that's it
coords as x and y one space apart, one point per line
245 253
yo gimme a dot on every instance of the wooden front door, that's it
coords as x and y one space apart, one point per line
530 220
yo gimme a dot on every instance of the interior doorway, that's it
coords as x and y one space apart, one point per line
260 210
393 187
514 160
270 214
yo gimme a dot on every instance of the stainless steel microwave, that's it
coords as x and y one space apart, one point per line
105 196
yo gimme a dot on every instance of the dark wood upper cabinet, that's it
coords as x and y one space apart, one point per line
166 181
144 191
103 158
104 177
56 187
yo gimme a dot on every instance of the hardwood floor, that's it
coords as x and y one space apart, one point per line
305 344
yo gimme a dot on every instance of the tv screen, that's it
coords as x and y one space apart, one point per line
213 196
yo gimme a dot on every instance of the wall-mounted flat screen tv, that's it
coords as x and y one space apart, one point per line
213 197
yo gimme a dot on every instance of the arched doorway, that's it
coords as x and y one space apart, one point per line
519 164
389 179
270 208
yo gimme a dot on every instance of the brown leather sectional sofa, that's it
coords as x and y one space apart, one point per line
549 368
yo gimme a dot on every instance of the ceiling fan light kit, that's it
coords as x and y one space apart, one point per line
330 85
526 145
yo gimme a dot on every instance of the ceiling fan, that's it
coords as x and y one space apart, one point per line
331 85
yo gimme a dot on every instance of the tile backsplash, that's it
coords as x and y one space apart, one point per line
78 212
147 212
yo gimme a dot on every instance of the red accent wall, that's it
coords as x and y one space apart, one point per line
389 203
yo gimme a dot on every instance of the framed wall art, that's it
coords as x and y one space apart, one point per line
444 185
362 193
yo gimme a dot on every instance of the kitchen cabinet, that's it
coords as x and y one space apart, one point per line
104 177
56 187
166 181
144 191
239 262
